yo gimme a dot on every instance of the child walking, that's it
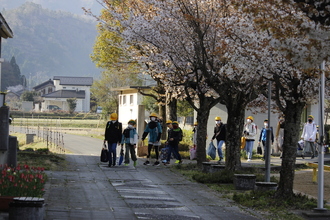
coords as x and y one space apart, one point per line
129 138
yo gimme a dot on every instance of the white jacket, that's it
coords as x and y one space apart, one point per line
309 132
250 128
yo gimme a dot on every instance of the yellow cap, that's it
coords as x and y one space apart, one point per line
132 121
311 116
168 122
175 122
250 117
153 115
195 123
217 118
113 116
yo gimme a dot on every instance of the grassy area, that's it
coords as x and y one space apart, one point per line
37 155
59 122
262 201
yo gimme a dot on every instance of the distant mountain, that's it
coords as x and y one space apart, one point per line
72 6
48 43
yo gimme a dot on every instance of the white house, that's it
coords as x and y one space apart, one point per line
65 87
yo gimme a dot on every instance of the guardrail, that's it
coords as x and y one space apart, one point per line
315 166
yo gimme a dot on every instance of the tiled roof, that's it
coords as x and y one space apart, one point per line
44 84
66 94
78 81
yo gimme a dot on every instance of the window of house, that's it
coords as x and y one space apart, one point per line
131 99
120 100
64 87
124 99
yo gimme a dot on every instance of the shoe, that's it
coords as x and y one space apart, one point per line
156 163
177 161
167 163
146 163
109 165
126 164
134 164
248 160
302 156
312 157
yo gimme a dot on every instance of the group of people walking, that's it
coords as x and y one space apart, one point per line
309 136
114 135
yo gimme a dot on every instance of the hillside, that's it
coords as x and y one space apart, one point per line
48 43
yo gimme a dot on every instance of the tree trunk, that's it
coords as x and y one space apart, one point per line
291 137
234 129
202 118
171 108
162 114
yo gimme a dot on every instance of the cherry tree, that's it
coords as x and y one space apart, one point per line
299 47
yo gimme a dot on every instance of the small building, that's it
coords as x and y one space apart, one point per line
131 107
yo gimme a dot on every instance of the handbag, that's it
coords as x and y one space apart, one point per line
243 142
192 153
142 149
104 154
259 150
211 151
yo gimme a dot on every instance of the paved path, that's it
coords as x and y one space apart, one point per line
89 189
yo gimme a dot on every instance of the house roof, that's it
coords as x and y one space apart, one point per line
78 81
131 88
44 84
66 94
5 30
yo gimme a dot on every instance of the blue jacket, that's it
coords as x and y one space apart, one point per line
154 130
129 136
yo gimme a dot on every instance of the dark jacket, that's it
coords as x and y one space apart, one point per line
220 132
113 132
176 134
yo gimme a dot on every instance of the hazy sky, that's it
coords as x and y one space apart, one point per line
73 6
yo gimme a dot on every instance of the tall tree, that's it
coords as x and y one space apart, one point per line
298 48
119 69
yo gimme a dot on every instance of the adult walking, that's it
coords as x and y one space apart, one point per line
154 129
309 135
220 135
113 135
249 132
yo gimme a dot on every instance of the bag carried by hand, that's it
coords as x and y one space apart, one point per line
259 150
211 151
243 142
142 149
192 153
104 154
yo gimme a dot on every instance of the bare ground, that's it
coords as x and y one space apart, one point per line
303 183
